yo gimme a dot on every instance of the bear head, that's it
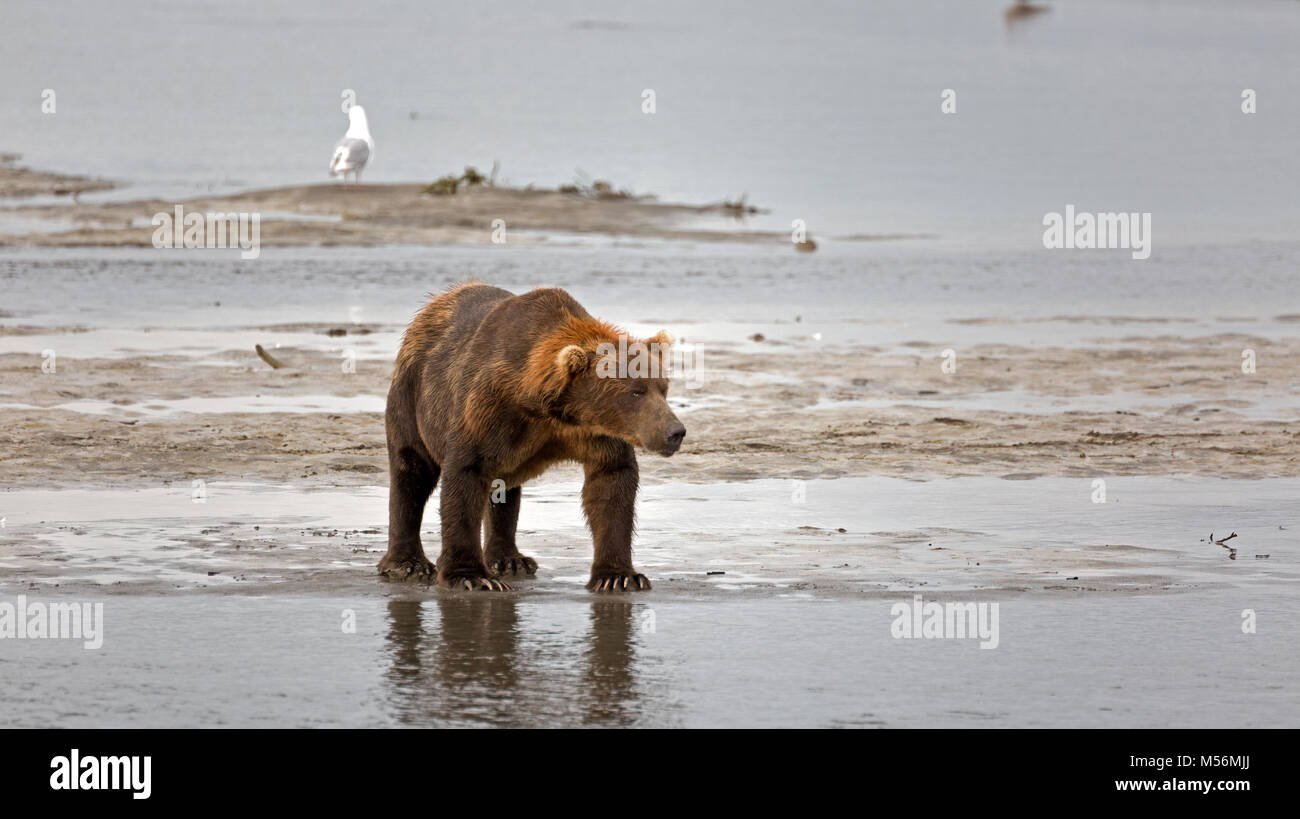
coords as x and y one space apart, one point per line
594 376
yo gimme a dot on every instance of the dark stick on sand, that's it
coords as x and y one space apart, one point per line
268 358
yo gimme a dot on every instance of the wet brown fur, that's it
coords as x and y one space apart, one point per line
490 386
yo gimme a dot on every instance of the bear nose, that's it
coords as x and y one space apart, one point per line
675 433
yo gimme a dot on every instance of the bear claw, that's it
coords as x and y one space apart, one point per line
514 564
475 582
619 582
405 568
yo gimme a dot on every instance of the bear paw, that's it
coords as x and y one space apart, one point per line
405 567
515 564
618 581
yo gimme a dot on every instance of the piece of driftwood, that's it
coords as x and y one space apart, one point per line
268 358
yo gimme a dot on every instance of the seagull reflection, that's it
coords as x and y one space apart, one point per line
1022 10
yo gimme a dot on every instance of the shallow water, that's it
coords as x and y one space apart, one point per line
1284 408
889 296
1110 614
470 660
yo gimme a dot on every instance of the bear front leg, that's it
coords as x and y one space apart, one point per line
411 481
499 550
464 496
609 502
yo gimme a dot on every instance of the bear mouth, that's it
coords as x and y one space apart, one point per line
667 450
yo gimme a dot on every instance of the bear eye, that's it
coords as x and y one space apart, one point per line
638 390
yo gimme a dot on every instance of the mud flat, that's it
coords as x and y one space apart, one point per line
1154 406
329 214
17 182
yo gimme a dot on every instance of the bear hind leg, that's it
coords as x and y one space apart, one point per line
464 504
412 478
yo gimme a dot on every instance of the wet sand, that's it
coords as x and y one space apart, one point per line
843 538
1120 406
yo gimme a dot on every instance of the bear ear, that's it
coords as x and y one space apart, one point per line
660 344
572 360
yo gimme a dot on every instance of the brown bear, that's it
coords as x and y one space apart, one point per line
489 390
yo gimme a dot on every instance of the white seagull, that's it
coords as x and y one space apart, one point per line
354 149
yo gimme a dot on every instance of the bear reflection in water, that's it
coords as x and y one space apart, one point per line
462 660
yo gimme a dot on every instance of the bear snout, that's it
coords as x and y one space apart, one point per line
673 436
